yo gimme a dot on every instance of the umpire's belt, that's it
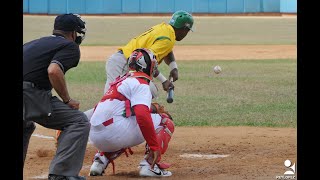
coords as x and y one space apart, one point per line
27 84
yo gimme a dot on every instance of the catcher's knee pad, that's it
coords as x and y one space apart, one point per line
164 133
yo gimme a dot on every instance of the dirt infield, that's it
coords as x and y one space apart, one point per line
251 152
213 52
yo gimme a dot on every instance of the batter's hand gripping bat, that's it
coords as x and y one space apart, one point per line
170 93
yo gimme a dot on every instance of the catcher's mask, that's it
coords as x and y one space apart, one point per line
71 22
143 60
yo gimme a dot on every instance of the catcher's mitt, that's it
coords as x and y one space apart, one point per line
159 109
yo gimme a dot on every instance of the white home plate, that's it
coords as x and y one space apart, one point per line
203 156
42 136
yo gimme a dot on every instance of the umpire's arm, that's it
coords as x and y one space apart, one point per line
57 80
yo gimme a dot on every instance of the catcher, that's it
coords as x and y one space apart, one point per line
124 118
164 131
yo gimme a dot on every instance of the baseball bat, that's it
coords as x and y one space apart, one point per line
170 94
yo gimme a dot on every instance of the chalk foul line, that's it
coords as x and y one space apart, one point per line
203 156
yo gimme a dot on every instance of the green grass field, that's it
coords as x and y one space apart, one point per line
208 30
247 92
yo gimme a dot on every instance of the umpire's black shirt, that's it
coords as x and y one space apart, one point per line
39 53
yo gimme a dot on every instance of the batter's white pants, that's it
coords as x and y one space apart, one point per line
116 65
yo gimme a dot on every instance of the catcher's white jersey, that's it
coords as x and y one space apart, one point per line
121 132
134 90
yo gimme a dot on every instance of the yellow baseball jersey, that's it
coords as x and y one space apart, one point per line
160 39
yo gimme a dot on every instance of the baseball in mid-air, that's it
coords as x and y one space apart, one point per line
217 69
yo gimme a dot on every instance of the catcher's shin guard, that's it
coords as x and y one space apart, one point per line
164 133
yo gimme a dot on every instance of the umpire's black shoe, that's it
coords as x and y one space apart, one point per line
59 177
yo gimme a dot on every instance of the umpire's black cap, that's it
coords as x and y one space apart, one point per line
69 22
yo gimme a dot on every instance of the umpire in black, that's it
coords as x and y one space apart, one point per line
45 62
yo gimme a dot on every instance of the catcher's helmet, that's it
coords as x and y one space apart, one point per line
143 60
181 19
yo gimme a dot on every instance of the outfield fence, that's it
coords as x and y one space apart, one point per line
158 6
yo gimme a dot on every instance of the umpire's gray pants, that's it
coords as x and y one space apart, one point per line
72 141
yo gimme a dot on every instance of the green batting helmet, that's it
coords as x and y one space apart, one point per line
181 19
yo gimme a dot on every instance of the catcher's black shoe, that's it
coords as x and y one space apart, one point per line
59 177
